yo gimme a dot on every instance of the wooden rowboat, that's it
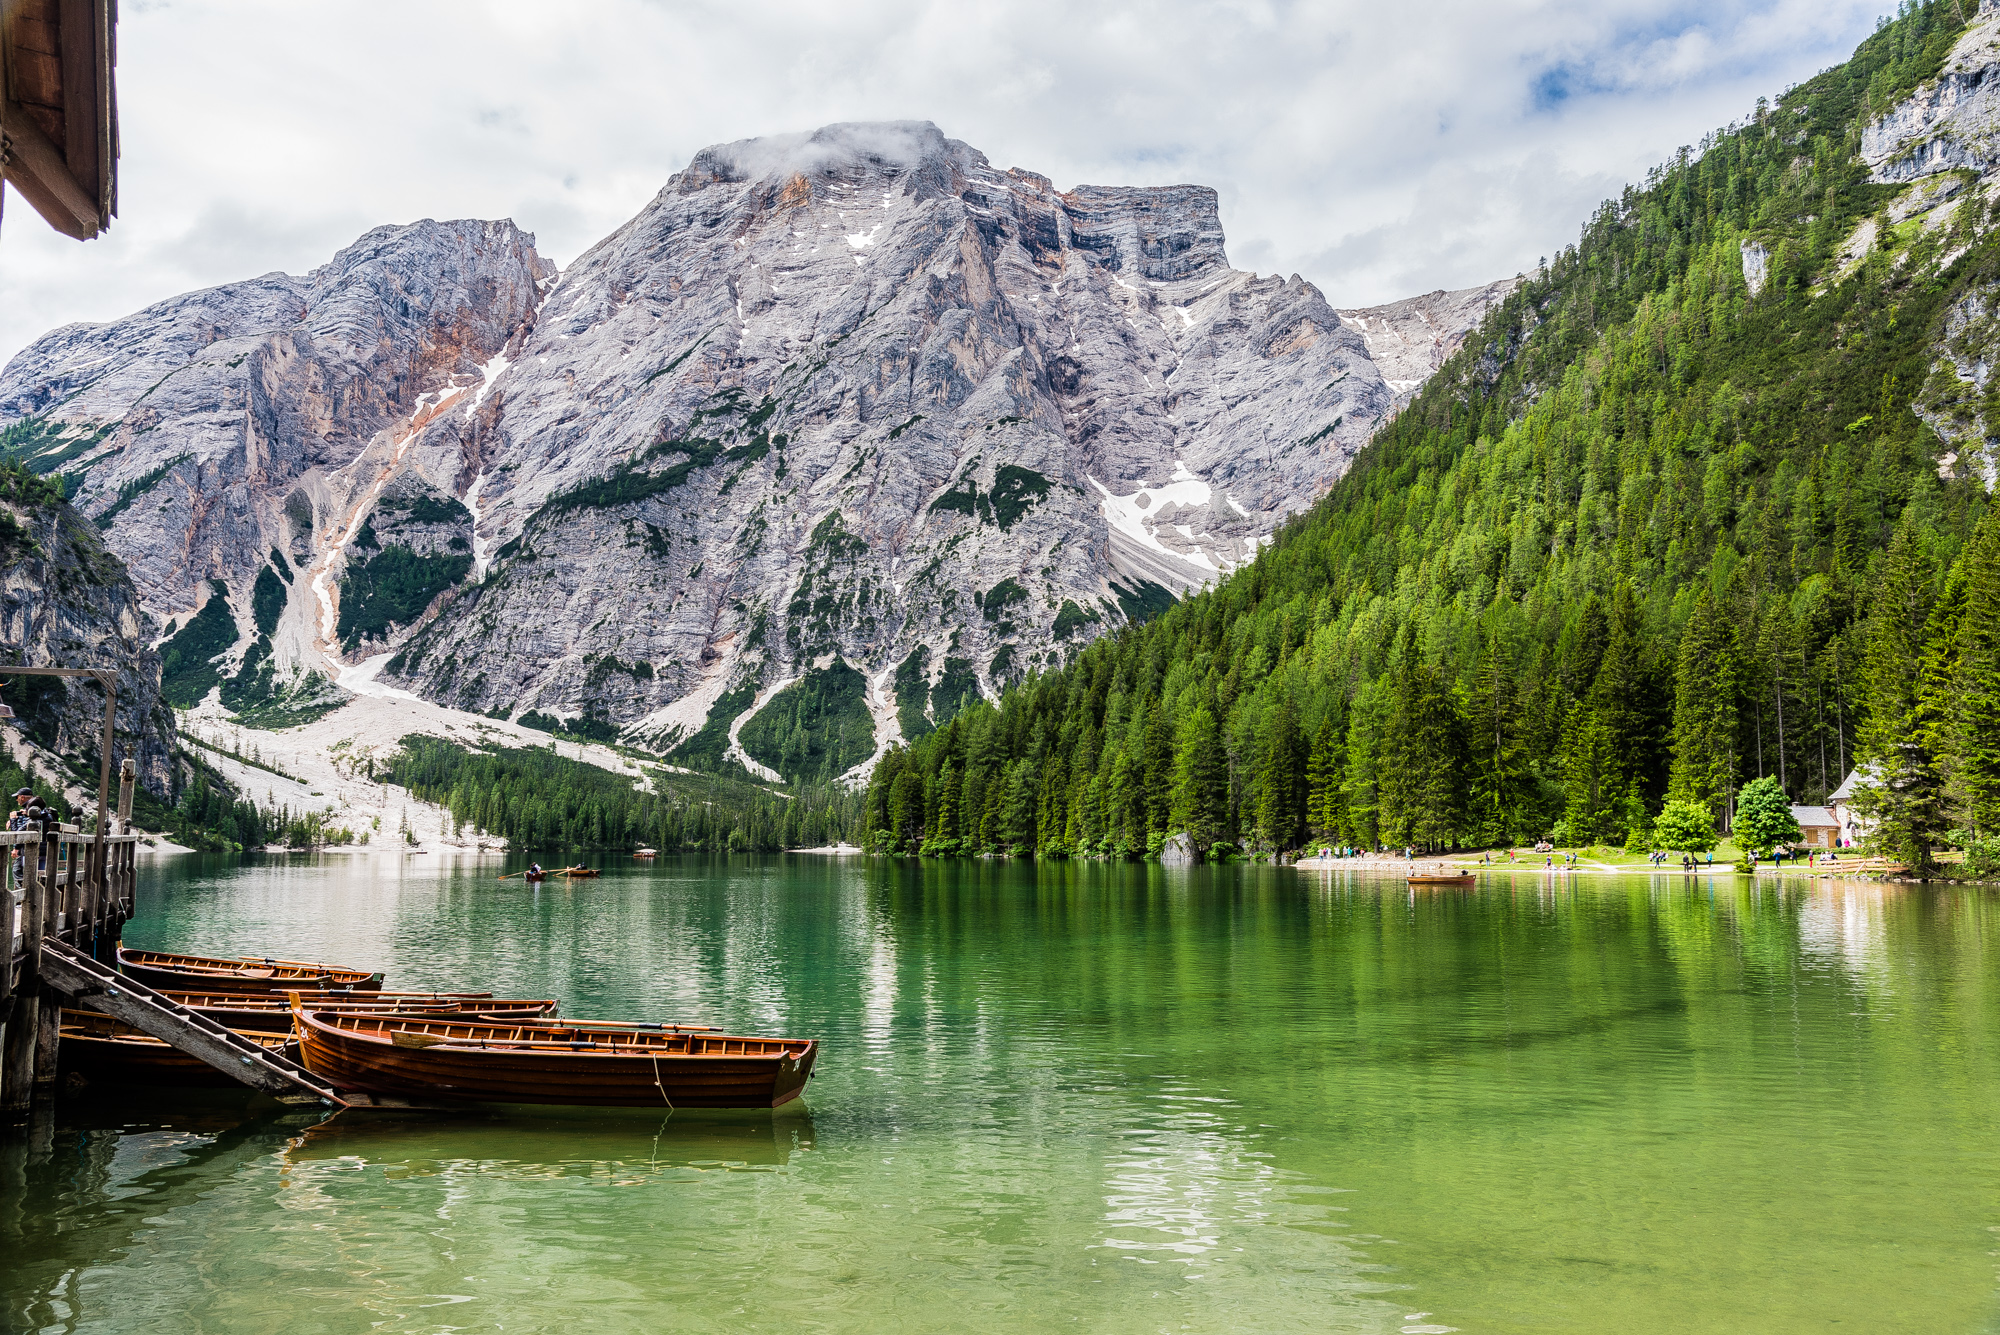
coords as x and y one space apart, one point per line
1436 879
461 1060
271 1012
107 1051
579 872
206 973
645 852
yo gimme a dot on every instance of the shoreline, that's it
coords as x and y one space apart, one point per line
1445 866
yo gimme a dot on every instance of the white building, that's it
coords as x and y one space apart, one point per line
1851 826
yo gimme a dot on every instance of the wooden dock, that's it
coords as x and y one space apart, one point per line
67 898
55 890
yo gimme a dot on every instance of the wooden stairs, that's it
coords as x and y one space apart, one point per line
97 987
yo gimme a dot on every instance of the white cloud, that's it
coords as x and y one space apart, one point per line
1379 149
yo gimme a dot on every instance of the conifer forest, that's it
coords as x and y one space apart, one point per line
1650 535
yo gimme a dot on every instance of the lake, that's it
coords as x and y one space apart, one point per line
1106 1098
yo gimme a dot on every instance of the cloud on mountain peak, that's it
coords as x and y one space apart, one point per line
1379 150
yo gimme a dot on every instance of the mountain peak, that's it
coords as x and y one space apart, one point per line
894 147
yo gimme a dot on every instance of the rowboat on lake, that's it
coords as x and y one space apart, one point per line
204 973
579 872
607 1066
1437 879
107 1051
645 852
271 1012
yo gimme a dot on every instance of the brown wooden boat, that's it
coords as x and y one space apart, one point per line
271 1012
578 873
107 1051
1443 879
207 973
582 1064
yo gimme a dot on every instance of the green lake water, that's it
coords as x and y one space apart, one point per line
1106 1098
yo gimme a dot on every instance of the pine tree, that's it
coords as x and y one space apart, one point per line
1499 776
1594 782
1322 781
944 829
1281 772
1201 780
1904 795
1975 732
1704 748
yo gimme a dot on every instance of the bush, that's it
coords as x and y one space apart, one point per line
1685 827
1982 857
1764 817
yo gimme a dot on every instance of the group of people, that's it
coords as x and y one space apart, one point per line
30 813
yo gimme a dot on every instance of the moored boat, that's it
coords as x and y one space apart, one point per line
1435 879
207 973
608 1065
271 1012
107 1051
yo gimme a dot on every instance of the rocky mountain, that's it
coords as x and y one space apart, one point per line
66 601
852 414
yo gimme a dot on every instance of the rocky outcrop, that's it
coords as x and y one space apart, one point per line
1409 339
66 601
853 397
1951 123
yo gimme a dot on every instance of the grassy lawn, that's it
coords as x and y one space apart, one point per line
1600 857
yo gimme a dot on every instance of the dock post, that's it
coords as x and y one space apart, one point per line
48 1033
17 1062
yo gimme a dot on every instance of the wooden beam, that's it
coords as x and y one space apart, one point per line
35 167
79 93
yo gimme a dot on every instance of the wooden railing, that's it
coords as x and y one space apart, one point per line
58 876
53 887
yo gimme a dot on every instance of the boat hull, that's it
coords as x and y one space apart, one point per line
272 1012
104 1051
547 1074
201 973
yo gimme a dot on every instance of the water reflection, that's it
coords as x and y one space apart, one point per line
1123 1097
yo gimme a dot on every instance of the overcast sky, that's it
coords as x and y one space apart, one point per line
1379 147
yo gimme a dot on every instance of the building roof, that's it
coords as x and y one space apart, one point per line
1855 777
59 110
1809 816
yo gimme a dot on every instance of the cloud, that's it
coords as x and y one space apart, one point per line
1377 149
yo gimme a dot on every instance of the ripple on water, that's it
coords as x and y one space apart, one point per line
1110 1097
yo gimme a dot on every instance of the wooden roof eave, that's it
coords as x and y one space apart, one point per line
73 183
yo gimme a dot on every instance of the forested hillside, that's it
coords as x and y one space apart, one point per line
537 800
1669 522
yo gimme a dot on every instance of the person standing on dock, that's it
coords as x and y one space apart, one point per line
30 813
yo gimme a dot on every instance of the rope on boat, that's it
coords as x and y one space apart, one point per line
657 1082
